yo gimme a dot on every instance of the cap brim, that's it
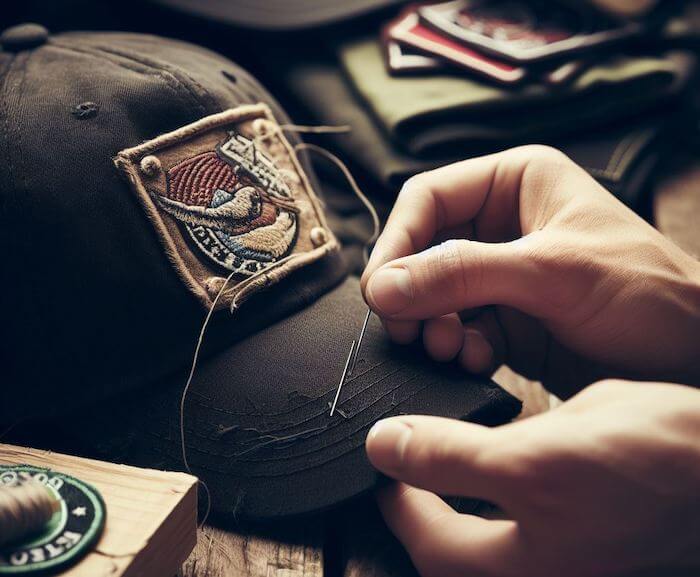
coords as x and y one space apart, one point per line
257 423
277 14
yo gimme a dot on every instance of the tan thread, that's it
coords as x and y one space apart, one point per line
183 397
376 226
25 508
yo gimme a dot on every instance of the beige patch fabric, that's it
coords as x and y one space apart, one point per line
227 196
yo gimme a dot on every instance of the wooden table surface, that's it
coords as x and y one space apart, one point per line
355 543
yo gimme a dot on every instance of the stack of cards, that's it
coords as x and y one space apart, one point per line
505 41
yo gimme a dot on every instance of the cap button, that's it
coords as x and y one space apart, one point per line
23 36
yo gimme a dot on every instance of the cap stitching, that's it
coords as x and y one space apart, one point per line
286 411
396 372
171 81
175 72
268 461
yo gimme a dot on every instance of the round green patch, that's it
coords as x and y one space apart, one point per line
69 535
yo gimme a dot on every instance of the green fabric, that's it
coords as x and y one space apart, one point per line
326 95
430 114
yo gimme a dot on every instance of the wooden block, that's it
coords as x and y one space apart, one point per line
151 523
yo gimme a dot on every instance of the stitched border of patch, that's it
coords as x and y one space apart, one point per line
200 274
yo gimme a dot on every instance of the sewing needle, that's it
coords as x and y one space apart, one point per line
342 378
359 342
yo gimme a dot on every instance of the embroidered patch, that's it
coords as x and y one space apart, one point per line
227 195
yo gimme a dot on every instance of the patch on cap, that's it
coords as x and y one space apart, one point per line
226 195
70 534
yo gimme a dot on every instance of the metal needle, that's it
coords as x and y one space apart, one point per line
359 342
342 378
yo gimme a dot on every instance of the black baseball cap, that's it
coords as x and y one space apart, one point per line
139 173
278 14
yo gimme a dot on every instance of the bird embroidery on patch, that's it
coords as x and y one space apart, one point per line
229 202
234 205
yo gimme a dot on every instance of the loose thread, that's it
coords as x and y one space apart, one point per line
376 226
319 129
195 358
280 128
241 288
356 345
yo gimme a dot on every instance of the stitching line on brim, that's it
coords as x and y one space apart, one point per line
487 401
322 449
311 400
322 412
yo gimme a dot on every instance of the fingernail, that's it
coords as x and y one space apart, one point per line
386 443
390 290
477 354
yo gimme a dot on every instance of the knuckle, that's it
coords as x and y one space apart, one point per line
444 266
450 255
419 453
455 266
416 184
423 453
545 167
509 465
471 268
545 154
449 454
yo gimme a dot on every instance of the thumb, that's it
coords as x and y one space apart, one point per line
456 275
444 456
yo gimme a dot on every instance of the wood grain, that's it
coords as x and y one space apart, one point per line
295 551
151 515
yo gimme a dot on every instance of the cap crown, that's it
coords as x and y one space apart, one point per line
93 303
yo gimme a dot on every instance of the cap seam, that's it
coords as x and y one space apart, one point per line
172 83
174 71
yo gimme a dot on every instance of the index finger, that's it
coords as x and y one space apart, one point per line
486 189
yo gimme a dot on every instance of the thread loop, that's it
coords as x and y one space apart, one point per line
25 508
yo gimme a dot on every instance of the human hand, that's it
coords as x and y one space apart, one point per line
608 484
584 289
